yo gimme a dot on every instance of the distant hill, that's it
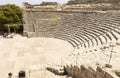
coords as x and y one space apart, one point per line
91 1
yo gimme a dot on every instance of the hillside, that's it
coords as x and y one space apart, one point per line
91 1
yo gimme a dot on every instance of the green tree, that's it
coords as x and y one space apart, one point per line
10 14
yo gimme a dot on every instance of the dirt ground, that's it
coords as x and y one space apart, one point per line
20 52
33 54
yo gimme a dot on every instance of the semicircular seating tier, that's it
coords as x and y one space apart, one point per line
78 28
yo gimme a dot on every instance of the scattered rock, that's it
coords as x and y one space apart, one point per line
97 64
108 65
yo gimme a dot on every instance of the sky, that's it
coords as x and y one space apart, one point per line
19 2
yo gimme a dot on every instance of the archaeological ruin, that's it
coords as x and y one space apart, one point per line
92 27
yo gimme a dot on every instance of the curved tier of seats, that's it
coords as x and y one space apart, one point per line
83 33
102 28
87 38
92 34
73 42
81 29
95 31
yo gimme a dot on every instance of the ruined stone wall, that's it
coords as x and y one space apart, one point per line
84 71
88 72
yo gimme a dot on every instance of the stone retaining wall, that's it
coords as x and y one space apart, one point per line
87 72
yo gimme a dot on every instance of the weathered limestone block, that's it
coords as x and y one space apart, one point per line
87 72
100 72
107 75
68 70
76 72
71 70
117 72
91 73
83 68
84 71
